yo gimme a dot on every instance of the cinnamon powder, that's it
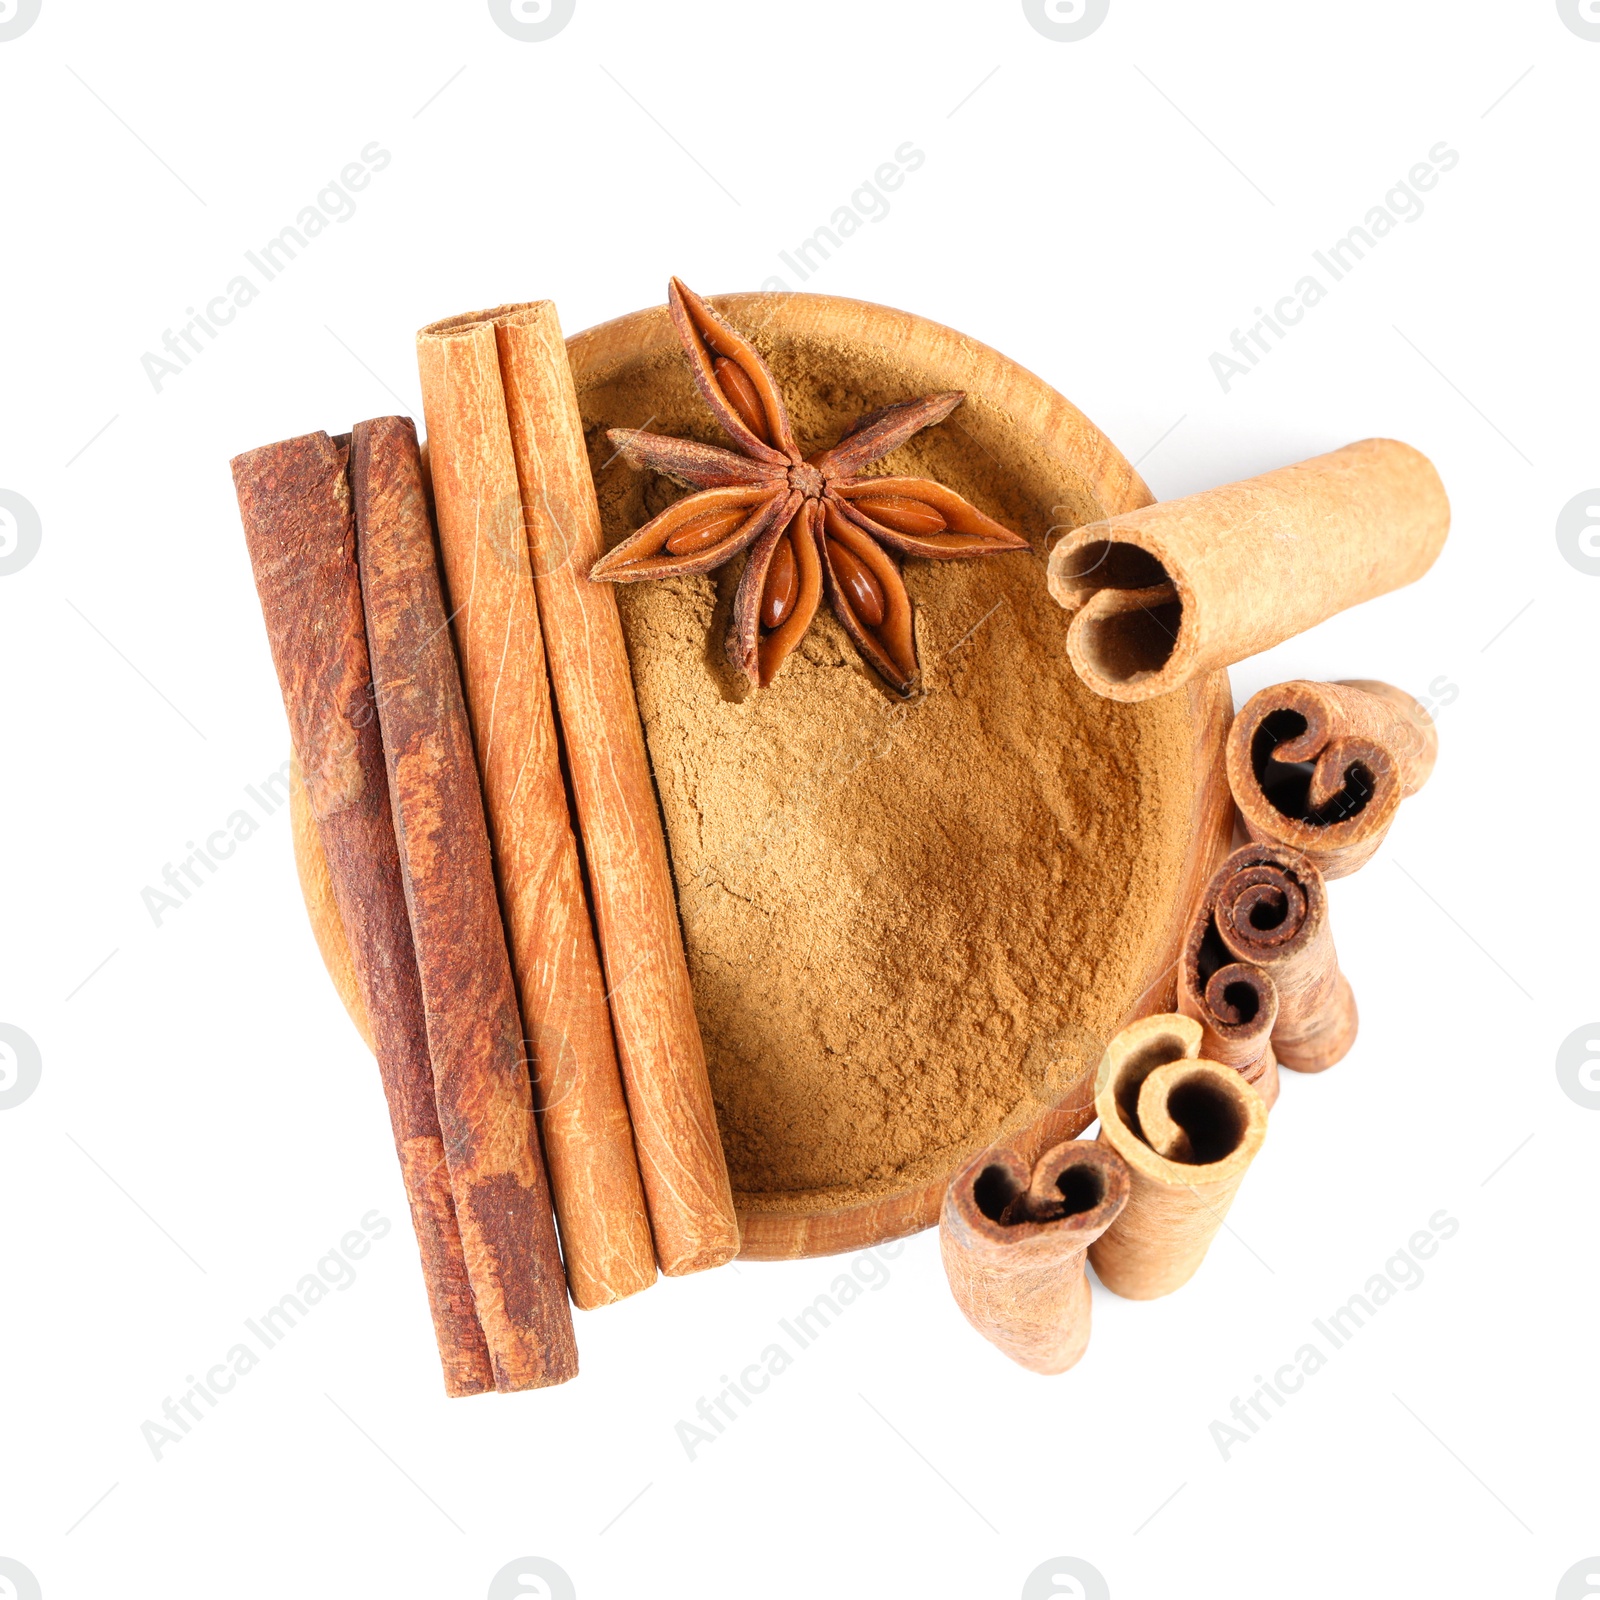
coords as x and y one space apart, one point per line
910 925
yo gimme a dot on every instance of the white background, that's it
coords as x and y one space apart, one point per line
1107 211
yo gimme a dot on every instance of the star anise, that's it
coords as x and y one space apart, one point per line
808 522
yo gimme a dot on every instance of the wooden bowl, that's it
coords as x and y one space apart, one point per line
1041 459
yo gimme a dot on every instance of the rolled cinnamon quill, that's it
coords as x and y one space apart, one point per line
1235 1002
1188 1130
1184 587
1014 1241
636 910
474 1032
1323 767
588 1142
1271 910
294 499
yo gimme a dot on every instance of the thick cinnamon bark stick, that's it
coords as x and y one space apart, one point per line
294 499
1188 1130
1323 767
1235 1002
652 1004
1271 910
1014 1243
474 1033
1186 586
594 1175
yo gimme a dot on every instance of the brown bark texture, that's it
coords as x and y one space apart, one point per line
588 1143
480 1070
1188 1130
1186 586
1013 1241
1323 767
1235 1002
652 1004
1271 910
294 499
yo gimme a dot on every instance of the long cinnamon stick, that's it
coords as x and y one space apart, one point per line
1183 587
1235 1002
1323 767
294 499
594 1174
474 1033
1271 910
652 1003
1188 1130
1013 1245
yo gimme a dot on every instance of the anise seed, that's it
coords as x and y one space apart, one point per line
779 592
902 513
742 396
860 584
701 532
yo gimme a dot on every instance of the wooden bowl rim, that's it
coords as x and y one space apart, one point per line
1063 432
598 354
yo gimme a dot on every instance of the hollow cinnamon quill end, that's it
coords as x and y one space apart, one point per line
1013 1243
1323 767
1188 1130
1271 910
1132 636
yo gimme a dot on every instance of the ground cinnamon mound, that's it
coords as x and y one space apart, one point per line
910 925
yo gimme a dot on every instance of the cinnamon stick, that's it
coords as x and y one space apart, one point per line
1323 767
1235 1002
594 1174
474 1033
1188 1130
1271 909
1184 587
652 1003
294 499
1013 1244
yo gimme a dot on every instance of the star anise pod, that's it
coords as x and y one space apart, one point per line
808 523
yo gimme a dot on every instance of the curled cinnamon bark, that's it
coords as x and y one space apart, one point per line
1323 767
1188 1131
1235 1002
1271 910
1184 587
294 499
474 1032
1014 1242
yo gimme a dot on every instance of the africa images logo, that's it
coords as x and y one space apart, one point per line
20 532
1065 21
16 17
531 21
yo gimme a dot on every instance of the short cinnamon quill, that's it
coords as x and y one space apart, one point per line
1013 1242
1188 1130
1323 767
294 499
1234 1001
1183 587
1271 911
474 1031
